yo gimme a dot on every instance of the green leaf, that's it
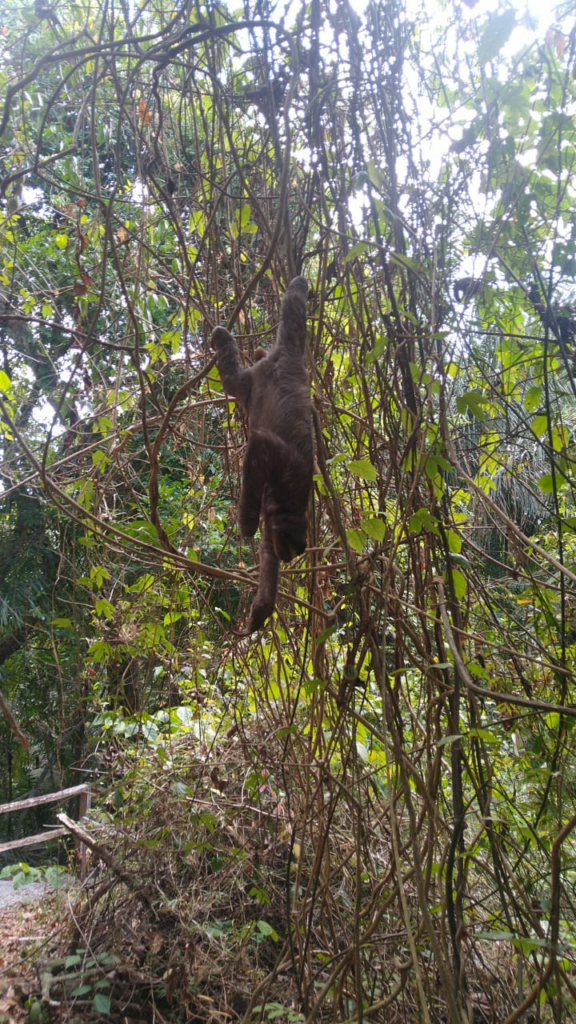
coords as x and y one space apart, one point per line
357 250
356 540
359 180
171 617
459 583
546 483
290 730
5 383
454 541
446 741
405 261
362 468
105 608
423 520
476 670
267 930
376 176
559 438
100 461
472 402
540 425
375 528
532 398
325 635
56 875
484 734
378 350
460 560
101 1003
36 1012
98 573
198 221
495 35
143 530
143 583
527 944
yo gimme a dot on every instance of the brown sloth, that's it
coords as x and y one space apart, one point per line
279 459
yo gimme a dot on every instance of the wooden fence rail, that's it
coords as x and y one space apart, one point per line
83 791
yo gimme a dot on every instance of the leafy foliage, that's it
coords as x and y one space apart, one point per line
407 720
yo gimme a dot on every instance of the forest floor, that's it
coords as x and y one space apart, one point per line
29 927
23 928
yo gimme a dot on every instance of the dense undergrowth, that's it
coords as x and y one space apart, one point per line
260 884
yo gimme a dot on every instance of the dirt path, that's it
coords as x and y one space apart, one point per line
27 894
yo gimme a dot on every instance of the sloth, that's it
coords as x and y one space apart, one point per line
279 459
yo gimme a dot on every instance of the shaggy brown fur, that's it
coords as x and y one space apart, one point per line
279 460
